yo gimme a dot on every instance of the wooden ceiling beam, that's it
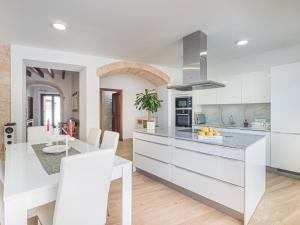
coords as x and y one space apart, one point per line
28 73
63 75
51 73
39 72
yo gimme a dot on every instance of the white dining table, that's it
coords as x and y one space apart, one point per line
27 185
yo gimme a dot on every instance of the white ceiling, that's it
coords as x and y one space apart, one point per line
151 31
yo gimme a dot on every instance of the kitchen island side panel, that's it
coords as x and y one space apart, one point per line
255 177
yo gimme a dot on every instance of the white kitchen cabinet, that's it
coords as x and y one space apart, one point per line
148 149
285 151
231 177
256 88
285 111
285 92
224 193
226 169
232 93
205 97
153 166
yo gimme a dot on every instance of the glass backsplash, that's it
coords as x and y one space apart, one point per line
220 114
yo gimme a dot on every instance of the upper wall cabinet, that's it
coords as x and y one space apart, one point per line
205 97
240 89
232 93
256 88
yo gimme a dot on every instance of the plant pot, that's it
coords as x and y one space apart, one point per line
151 125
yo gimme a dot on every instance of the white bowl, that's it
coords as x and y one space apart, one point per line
55 149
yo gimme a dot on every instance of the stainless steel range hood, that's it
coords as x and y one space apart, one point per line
195 64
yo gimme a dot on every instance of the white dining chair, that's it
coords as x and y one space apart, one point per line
94 137
110 140
37 134
82 192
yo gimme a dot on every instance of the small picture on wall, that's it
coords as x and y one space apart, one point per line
75 101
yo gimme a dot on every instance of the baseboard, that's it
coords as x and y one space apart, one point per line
285 173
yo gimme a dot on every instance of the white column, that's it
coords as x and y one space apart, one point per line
127 195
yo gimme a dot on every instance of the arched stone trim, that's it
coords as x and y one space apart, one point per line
150 73
51 85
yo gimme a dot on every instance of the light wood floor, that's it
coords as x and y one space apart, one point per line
157 204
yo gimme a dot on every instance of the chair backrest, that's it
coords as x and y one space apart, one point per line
110 140
83 189
94 137
37 134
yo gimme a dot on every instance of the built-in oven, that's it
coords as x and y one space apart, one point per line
183 117
183 102
183 111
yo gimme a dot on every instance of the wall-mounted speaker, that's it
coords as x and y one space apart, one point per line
9 133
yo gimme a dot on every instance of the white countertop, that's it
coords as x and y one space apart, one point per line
230 139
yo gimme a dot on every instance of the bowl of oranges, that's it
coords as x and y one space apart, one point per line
209 133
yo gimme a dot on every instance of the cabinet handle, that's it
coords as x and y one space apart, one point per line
222 181
151 142
212 155
151 158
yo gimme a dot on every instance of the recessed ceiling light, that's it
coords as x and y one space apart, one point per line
59 26
203 53
242 42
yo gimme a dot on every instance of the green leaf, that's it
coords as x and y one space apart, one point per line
148 101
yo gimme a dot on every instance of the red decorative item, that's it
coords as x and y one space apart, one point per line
70 128
48 125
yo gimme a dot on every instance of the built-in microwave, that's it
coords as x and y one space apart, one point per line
183 103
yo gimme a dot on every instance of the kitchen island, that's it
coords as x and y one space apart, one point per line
227 174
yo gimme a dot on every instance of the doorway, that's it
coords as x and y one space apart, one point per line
111 110
50 109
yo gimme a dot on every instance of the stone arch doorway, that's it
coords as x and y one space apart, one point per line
150 73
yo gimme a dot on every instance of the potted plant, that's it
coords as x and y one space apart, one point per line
150 102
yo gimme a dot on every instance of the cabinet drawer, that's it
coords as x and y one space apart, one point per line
232 171
151 138
153 150
155 167
224 193
229 170
233 153
198 162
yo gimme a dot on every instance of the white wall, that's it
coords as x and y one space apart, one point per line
255 62
131 85
89 82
